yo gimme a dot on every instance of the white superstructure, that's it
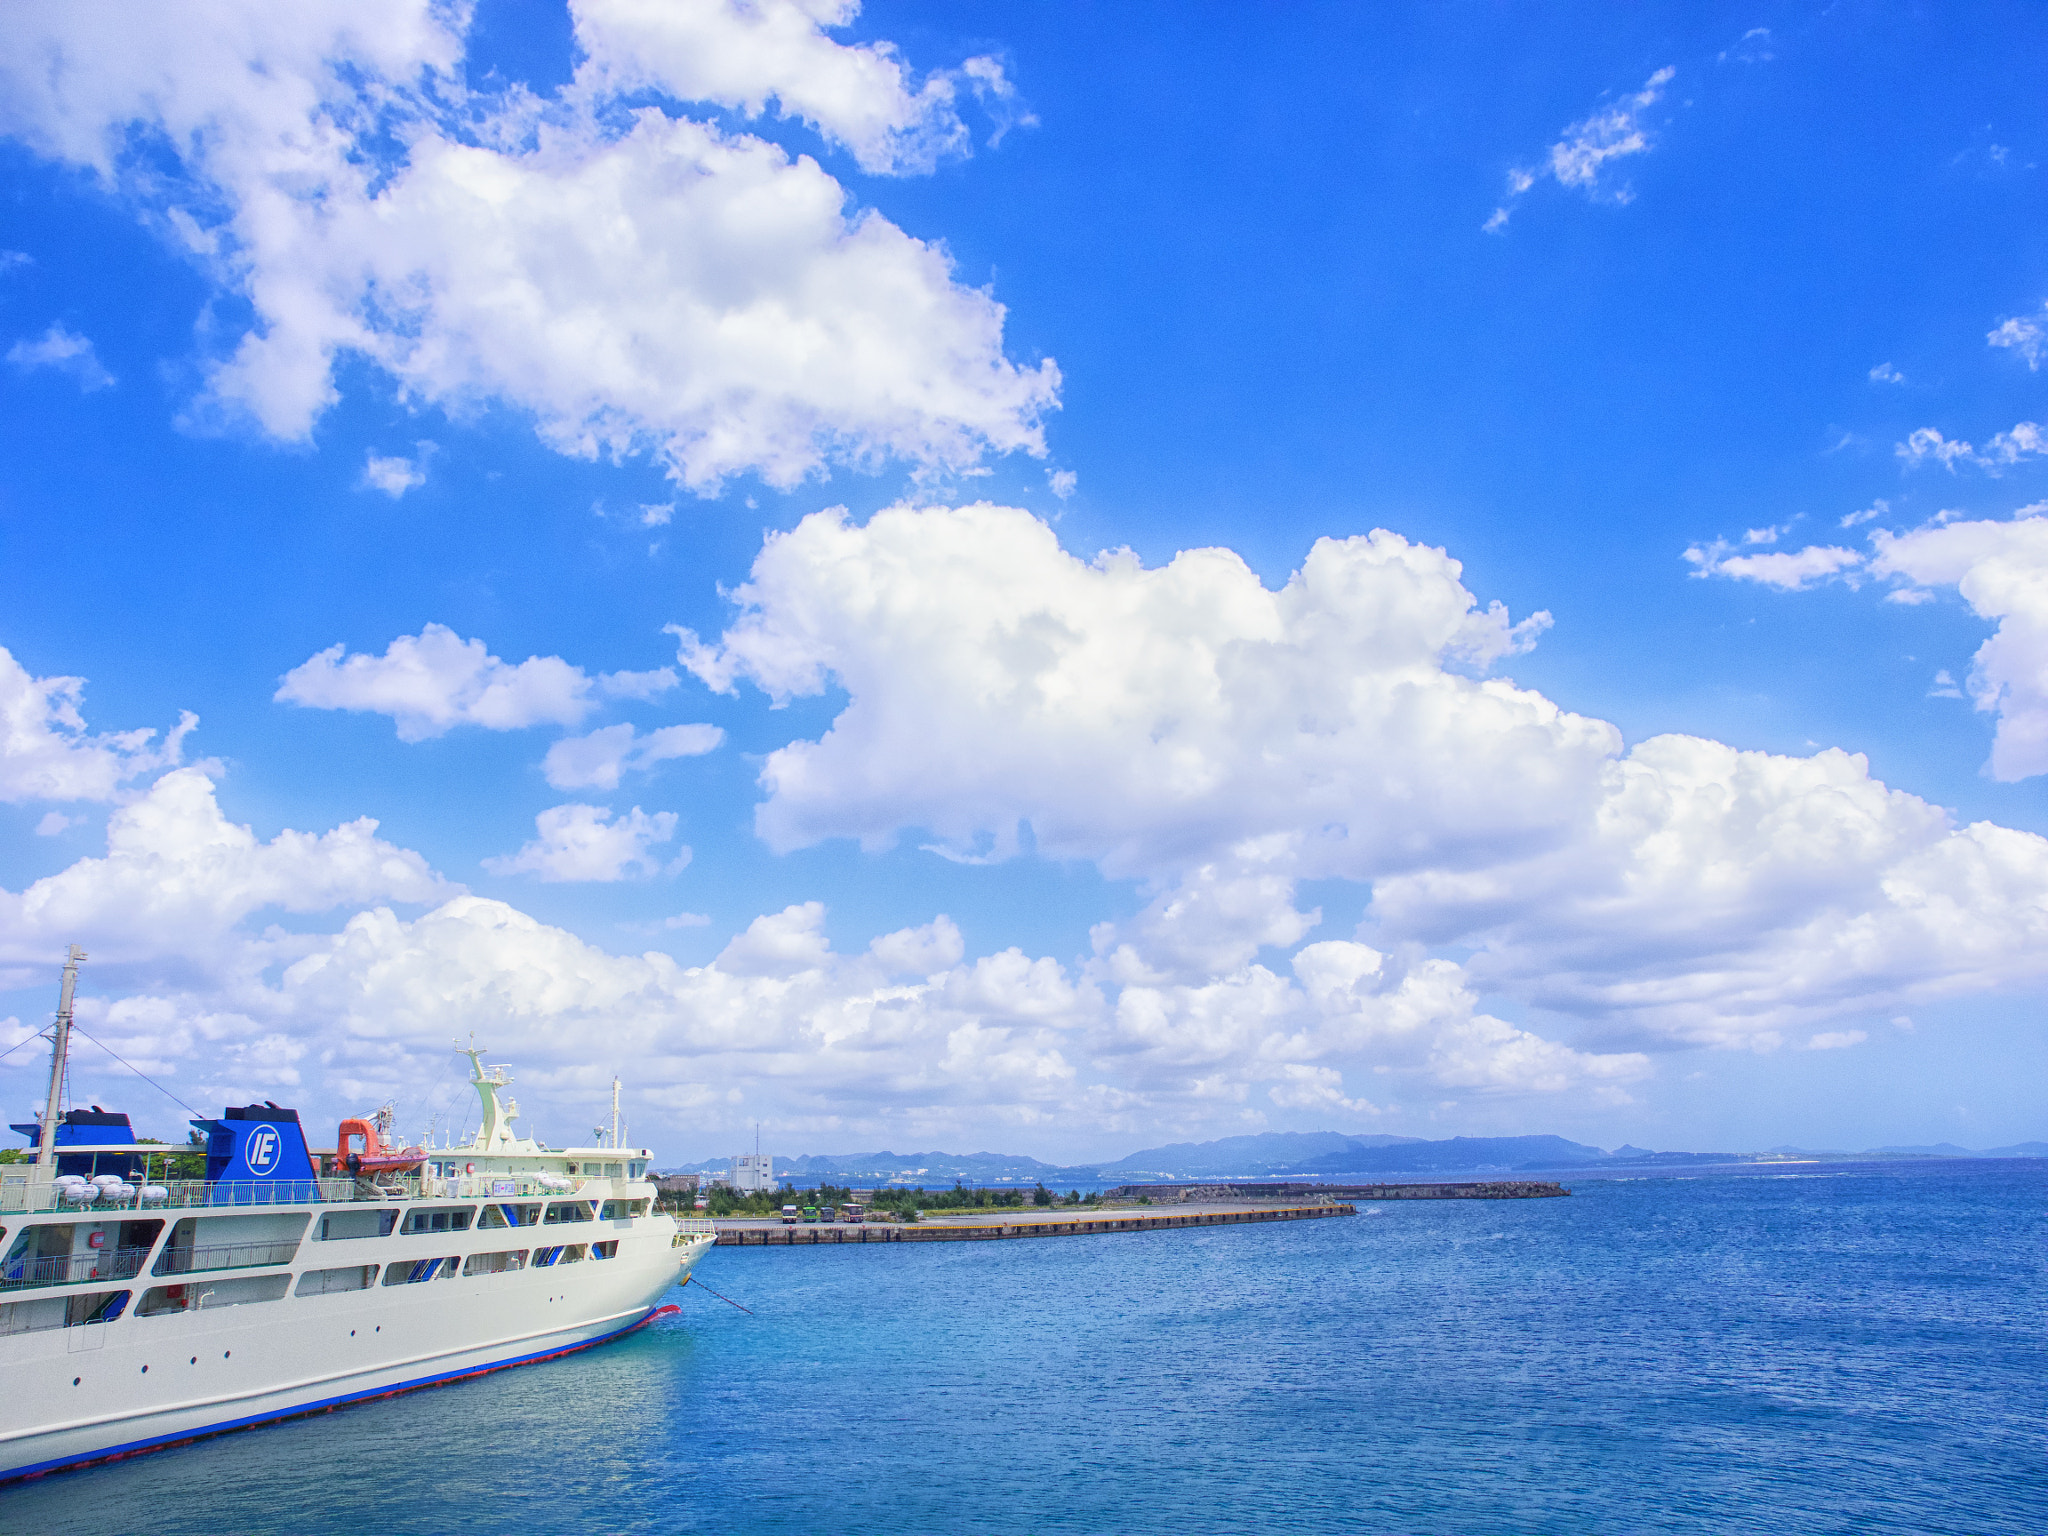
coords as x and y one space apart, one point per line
138 1310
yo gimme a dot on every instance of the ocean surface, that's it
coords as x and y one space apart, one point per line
1858 1348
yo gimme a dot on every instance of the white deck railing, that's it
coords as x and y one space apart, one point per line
25 1193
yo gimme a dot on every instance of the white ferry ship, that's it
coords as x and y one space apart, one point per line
138 1310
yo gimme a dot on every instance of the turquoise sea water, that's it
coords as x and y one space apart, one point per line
1849 1349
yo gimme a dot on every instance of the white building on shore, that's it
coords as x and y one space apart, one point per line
753 1173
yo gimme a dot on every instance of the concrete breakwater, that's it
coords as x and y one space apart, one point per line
1012 1227
1507 1189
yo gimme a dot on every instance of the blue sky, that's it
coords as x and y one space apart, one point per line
490 346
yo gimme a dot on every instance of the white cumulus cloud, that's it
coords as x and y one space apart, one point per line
637 280
1788 570
585 842
65 351
780 1018
1837 1039
431 682
46 753
1184 727
1926 445
934 946
1219 741
2026 440
596 761
1722 897
995 679
2024 334
912 1033
2001 570
178 879
861 96
394 474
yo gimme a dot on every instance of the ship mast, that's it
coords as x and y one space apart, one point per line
60 1048
487 1082
615 1113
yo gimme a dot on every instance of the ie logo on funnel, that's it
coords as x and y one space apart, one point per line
262 1149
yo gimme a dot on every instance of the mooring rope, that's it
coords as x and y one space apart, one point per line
693 1280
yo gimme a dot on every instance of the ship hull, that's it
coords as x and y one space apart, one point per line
100 1391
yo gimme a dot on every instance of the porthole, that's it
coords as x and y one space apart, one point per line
145 1370
75 1380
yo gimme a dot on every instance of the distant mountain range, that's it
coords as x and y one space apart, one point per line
1246 1156
1328 1155
1299 1154
930 1169
1939 1149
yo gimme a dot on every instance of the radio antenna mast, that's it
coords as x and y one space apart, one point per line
60 1048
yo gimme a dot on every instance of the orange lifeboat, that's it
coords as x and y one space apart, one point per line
356 1126
374 1157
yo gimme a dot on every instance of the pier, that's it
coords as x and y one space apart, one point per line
764 1235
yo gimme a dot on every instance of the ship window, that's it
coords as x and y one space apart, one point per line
451 1218
416 1272
230 1242
340 1224
624 1210
637 1170
604 1250
210 1295
502 1215
495 1263
62 1311
568 1210
32 1316
573 1254
43 1255
326 1282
